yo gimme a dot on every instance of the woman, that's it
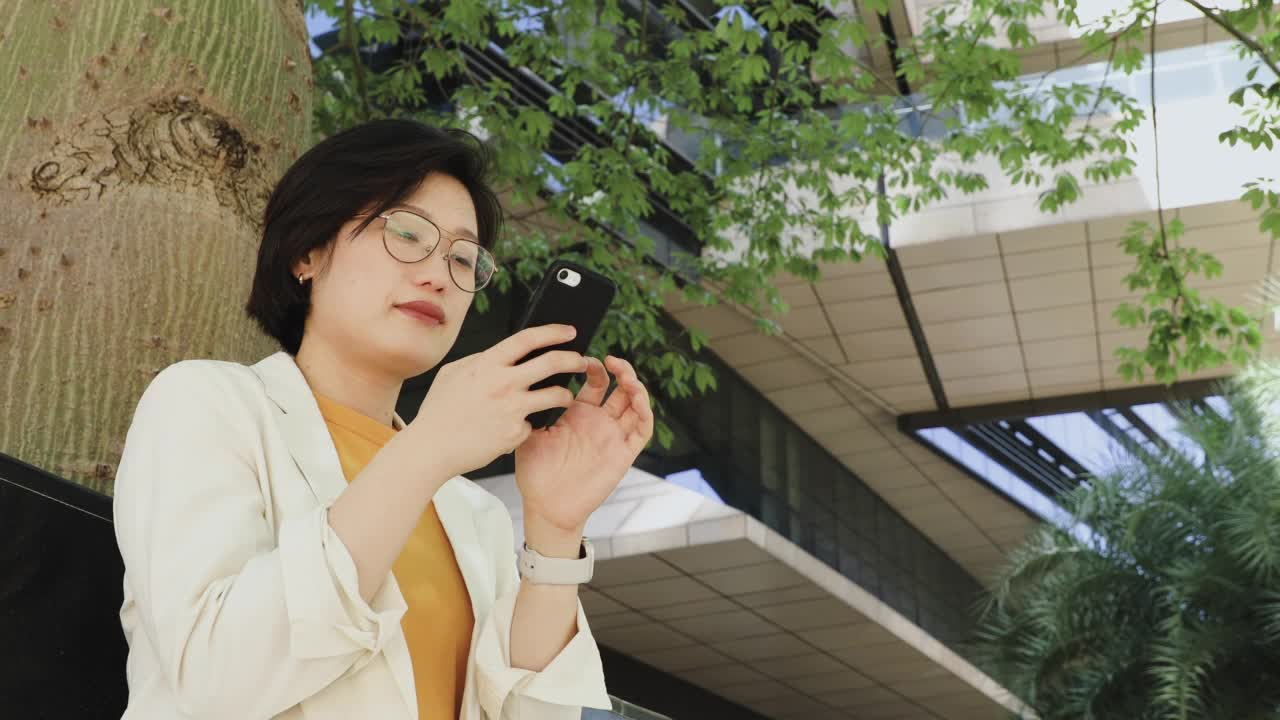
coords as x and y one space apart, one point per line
293 548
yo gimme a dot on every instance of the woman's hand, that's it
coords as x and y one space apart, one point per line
565 471
476 408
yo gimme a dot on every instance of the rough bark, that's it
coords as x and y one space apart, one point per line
138 143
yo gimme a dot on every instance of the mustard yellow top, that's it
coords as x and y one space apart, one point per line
438 622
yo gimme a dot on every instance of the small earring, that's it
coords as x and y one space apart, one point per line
299 278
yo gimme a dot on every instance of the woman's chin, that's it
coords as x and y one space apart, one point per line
414 361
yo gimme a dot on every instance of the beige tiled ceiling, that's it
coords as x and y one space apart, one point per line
804 398
997 359
1066 375
841 418
783 373
879 344
806 322
865 286
737 609
886 373
798 295
829 349
974 301
749 348
1006 317
971 248
715 320
1057 322
857 316
972 334
923 278
1046 262
1071 350
1038 293
1042 238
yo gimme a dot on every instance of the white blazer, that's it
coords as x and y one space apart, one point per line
241 602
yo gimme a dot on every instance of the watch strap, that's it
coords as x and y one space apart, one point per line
542 570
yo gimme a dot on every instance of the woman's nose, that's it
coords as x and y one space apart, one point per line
433 271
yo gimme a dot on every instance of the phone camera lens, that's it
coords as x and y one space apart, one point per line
564 274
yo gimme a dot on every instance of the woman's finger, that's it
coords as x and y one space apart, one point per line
597 383
640 402
629 421
619 400
638 416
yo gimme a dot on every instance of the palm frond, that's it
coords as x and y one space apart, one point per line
1170 606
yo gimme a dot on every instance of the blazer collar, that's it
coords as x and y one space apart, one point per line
312 448
302 425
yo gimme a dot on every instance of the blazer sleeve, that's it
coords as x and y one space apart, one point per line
243 624
574 678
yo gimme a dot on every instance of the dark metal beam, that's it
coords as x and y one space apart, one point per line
913 320
1083 402
1026 453
1117 433
1143 427
899 278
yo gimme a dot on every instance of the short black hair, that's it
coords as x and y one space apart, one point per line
367 168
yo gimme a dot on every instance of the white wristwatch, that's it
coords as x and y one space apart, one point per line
541 570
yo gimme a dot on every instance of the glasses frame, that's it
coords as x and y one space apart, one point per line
450 237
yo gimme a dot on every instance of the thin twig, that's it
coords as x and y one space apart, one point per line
1238 35
1155 135
353 46
1106 76
1155 139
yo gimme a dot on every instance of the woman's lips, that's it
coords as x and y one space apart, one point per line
419 316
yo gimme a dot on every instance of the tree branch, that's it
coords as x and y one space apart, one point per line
1238 35
1155 149
349 20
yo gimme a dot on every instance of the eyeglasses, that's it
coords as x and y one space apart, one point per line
410 238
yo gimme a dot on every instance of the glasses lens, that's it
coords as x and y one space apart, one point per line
408 237
471 265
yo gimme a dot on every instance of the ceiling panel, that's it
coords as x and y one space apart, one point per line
1047 262
924 278
879 345
979 362
1069 288
886 373
857 316
828 348
715 320
1042 238
804 398
787 372
962 303
1078 350
955 250
749 348
1058 322
855 287
972 334
806 322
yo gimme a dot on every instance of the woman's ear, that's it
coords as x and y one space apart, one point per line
304 268
309 265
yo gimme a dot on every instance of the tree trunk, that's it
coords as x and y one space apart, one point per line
138 143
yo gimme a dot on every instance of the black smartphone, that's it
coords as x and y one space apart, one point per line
568 294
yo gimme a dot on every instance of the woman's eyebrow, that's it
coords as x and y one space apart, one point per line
460 232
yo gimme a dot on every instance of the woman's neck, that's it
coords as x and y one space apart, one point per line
348 383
